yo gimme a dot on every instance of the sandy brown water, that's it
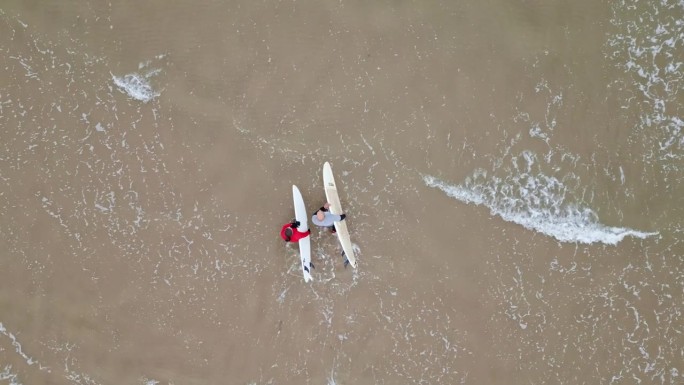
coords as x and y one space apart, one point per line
139 237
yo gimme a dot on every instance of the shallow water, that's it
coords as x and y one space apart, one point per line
511 171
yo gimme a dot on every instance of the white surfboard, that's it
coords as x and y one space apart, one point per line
304 243
336 208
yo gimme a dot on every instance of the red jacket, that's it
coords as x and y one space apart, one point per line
296 234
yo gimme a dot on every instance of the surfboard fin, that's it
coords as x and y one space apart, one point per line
312 265
346 263
307 269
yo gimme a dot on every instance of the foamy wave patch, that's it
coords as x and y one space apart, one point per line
137 86
648 45
537 203
7 375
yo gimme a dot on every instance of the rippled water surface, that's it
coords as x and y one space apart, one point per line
512 174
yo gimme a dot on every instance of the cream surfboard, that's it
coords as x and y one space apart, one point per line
336 208
304 243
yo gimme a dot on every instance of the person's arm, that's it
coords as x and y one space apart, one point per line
323 208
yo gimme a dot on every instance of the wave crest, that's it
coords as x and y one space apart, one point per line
537 203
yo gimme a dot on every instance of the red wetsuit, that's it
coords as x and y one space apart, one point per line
296 234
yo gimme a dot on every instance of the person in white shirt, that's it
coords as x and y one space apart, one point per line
324 218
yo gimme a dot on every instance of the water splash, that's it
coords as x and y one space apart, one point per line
137 86
538 202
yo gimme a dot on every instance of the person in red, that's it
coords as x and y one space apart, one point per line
290 233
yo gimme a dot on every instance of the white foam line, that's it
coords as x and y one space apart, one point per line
573 225
17 347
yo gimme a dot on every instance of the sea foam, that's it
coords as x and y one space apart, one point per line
137 86
648 47
537 203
